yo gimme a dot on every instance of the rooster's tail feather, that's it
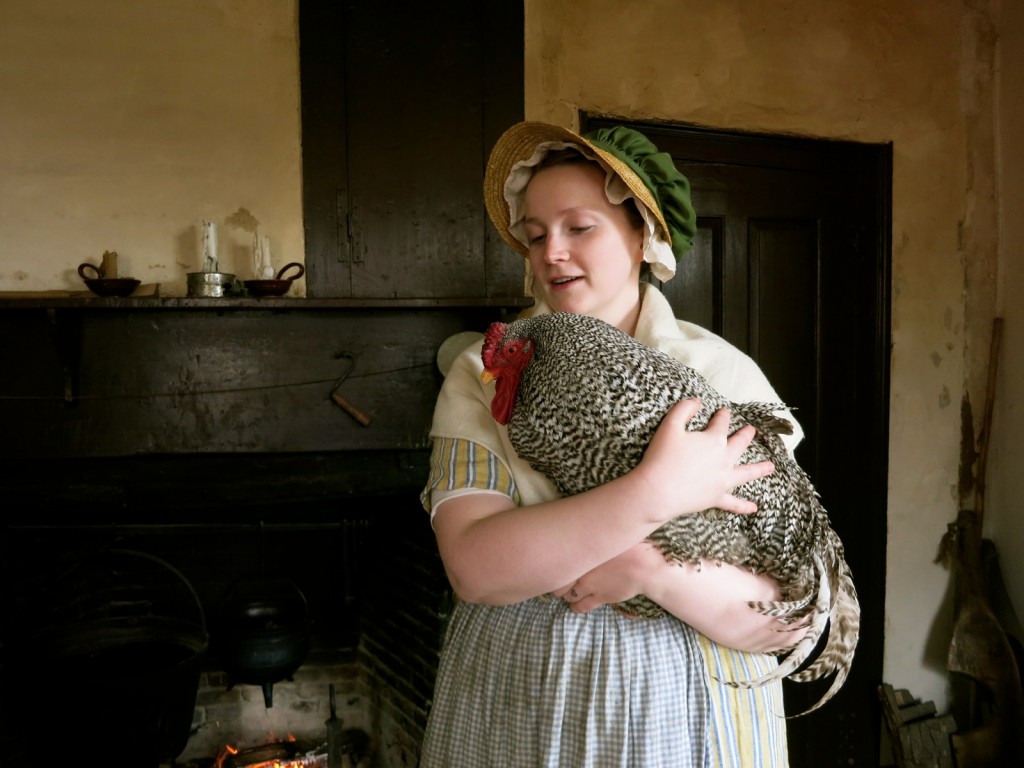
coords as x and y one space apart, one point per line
837 610
844 632
802 650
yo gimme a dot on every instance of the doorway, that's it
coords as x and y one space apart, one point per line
792 264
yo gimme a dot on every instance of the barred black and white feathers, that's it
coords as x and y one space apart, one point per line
582 400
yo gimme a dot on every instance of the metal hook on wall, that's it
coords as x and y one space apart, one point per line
341 402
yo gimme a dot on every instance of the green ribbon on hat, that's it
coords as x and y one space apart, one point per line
671 189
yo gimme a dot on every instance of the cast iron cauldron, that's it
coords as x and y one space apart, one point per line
110 650
261 634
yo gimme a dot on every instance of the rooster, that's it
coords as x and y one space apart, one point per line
582 399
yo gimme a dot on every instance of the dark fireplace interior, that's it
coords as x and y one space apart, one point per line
173 472
362 571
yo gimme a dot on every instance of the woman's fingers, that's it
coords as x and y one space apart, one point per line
747 472
706 464
568 592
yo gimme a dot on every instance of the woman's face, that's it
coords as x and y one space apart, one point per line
585 252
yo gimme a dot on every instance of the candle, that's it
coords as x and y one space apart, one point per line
109 268
257 256
209 247
262 268
266 266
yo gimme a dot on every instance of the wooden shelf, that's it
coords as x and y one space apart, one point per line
274 304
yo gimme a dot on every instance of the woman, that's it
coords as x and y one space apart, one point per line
537 669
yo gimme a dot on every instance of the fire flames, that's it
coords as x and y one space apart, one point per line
280 754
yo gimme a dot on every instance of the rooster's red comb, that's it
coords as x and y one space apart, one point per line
495 331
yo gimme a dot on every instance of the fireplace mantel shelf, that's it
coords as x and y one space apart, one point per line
92 376
274 304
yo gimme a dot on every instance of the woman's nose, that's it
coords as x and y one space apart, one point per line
555 248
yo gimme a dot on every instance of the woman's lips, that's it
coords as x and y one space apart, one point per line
561 283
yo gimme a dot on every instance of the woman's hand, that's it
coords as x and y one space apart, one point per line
615 581
710 598
698 470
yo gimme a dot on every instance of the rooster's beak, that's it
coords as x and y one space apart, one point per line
487 376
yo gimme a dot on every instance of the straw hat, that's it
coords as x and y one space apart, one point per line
650 176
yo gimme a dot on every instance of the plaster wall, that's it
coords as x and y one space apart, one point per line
918 75
126 124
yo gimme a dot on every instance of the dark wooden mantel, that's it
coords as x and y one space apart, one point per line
92 378
273 304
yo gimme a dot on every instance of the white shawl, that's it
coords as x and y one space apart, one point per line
463 407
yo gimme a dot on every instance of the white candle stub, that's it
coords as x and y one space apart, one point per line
262 269
210 247
257 256
264 266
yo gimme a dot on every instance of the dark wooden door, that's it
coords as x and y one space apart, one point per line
399 110
791 264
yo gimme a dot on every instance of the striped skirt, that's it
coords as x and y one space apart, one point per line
533 685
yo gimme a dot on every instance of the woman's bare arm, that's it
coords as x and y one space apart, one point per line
711 598
497 553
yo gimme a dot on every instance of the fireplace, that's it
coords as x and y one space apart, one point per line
208 434
347 536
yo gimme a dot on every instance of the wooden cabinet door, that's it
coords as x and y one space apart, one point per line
791 264
399 110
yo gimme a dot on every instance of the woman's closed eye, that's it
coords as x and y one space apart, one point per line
570 230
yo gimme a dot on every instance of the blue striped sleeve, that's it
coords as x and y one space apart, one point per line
456 464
